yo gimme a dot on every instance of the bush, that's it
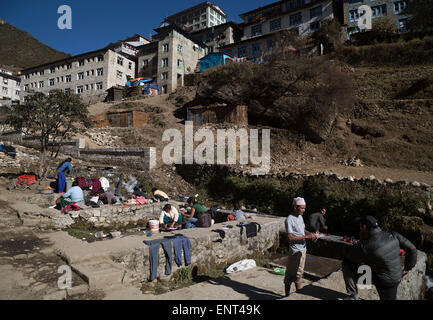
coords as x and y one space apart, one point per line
414 52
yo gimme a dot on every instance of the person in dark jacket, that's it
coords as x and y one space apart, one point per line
317 222
380 251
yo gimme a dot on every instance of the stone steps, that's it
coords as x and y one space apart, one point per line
100 274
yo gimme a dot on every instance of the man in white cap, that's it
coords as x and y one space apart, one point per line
297 234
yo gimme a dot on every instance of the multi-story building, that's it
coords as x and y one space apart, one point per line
172 54
10 88
218 36
263 25
201 16
89 74
397 10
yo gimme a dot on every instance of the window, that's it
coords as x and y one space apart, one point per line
179 63
256 30
93 72
164 75
316 12
80 76
100 72
275 24
18 83
400 6
41 73
119 74
62 79
196 26
203 24
196 19
378 11
100 58
52 82
99 86
41 84
145 63
203 17
165 62
353 15
296 19
270 44
165 47
355 1
27 76
53 70
80 89
256 48
5 81
179 48
69 66
314 26
164 89
293 4
352 30
5 90
68 78
26 87
402 25
87 73
129 65
242 52
81 63
17 93
120 61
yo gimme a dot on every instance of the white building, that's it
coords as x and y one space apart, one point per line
10 88
89 74
201 16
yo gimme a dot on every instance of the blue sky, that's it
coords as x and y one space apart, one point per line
96 23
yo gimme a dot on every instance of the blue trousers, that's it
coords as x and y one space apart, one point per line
61 182
190 223
180 241
154 256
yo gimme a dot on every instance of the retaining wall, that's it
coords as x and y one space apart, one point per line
208 249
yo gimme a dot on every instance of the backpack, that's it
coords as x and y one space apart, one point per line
204 220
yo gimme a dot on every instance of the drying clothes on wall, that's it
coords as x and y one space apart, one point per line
180 241
251 228
154 256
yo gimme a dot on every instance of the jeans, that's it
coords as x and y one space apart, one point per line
61 182
180 241
154 256
190 223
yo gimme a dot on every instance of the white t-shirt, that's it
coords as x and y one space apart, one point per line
295 226
173 214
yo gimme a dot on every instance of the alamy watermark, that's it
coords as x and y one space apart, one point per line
204 153
365 280
65 20
65 280
365 16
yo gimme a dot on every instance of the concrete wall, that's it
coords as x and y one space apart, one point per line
206 252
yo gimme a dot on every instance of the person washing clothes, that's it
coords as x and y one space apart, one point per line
169 217
64 167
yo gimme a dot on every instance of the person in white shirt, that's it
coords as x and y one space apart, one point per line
297 234
169 216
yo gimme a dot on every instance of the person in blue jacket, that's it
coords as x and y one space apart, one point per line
64 167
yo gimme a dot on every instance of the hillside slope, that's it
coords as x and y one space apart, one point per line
20 50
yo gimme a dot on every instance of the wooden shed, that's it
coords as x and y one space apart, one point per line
218 114
115 93
123 119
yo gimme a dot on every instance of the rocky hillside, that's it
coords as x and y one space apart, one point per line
20 50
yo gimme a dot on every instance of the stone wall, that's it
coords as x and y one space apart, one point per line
139 158
207 252
106 215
